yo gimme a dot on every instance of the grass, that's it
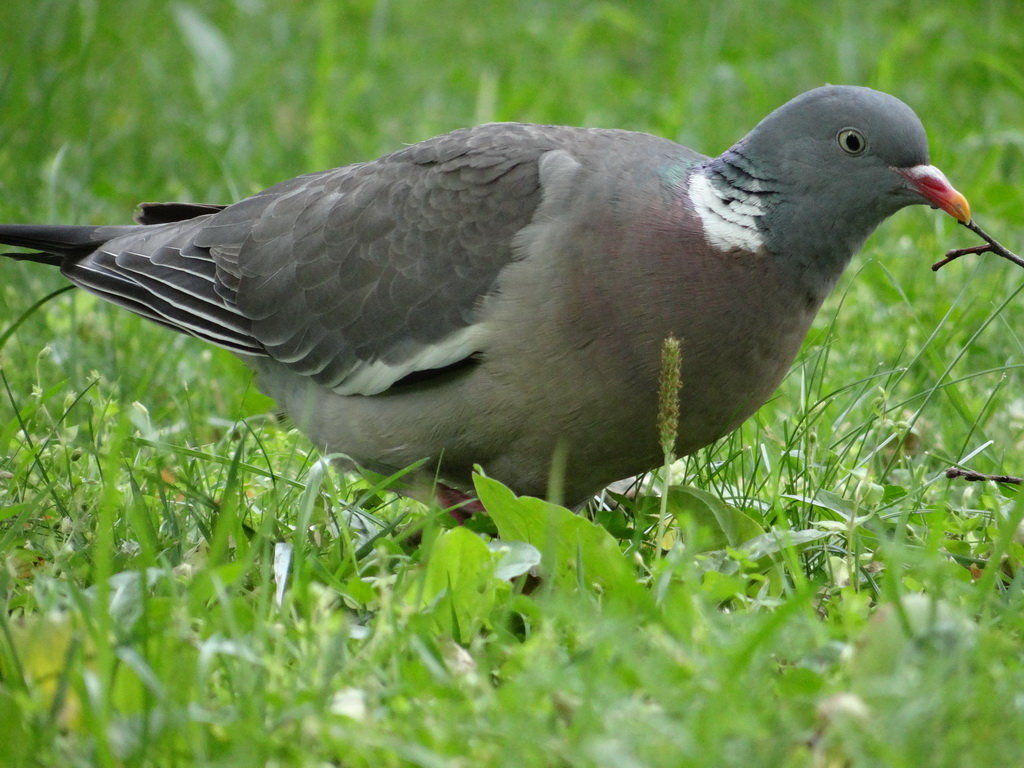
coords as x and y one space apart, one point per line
184 583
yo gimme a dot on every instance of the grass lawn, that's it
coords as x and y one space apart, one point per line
185 582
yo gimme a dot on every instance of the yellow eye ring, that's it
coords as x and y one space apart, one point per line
852 141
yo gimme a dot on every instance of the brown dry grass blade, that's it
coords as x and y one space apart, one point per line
974 477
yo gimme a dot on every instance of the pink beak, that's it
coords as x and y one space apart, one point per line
932 184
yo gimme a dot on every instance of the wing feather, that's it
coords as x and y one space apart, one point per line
356 277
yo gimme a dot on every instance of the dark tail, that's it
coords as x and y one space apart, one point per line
56 244
164 213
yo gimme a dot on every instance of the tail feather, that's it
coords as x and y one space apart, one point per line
143 269
59 242
49 259
165 213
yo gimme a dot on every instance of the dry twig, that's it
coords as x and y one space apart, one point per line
992 245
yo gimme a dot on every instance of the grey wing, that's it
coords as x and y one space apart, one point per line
354 277
360 276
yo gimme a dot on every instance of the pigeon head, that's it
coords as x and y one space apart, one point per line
830 166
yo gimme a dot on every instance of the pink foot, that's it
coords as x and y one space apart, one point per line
460 505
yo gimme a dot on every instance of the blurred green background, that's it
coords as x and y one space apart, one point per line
105 100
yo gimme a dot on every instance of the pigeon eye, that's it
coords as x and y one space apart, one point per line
852 141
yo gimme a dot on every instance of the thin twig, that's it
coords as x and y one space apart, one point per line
993 246
975 477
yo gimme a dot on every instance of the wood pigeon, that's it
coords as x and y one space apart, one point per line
499 295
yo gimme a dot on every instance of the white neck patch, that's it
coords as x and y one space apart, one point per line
729 217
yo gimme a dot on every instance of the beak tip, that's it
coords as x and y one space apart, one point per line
929 182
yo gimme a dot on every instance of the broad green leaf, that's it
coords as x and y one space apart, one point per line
459 584
725 525
573 550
